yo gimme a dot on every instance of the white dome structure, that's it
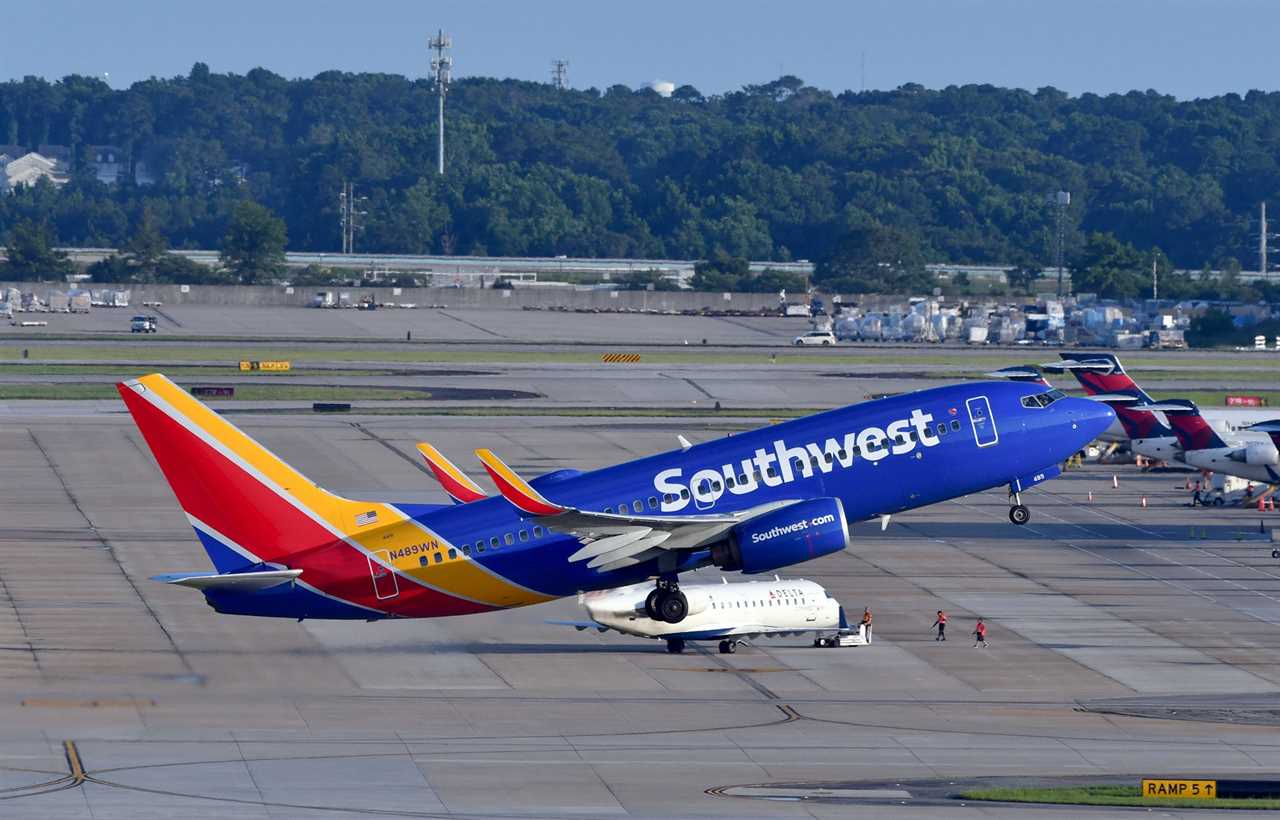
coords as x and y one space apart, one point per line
663 88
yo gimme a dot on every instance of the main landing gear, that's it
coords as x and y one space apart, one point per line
728 647
667 602
1018 513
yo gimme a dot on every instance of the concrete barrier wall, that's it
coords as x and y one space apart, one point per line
274 295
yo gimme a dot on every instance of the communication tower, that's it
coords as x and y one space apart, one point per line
442 69
560 74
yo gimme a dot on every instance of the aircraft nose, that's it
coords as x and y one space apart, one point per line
1090 417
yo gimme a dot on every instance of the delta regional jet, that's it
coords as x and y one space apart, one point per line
752 502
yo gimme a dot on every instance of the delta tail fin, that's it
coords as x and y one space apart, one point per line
1193 432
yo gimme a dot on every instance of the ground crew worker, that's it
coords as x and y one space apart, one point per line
866 624
1195 497
941 623
980 634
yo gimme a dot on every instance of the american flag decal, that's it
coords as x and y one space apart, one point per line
366 518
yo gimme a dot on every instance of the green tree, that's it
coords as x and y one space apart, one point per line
31 255
1110 268
874 259
1214 326
722 272
253 247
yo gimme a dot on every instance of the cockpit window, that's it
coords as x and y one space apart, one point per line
1038 400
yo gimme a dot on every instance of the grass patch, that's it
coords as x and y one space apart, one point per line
165 351
125 371
1108 796
244 392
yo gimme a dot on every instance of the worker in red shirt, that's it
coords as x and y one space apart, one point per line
941 623
980 634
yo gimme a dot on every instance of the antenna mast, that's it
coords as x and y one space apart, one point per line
442 68
560 74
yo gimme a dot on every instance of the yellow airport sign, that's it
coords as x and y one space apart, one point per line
1184 789
269 366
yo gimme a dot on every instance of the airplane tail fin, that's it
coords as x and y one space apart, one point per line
1101 373
1193 432
247 505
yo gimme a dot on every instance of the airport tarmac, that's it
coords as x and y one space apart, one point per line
1149 614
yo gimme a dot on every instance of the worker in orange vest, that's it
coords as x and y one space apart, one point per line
980 634
866 624
941 623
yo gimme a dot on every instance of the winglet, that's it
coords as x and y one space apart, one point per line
514 488
456 483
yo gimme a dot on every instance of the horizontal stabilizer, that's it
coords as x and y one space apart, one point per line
580 625
1119 398
514 488
456 483
1092 365
239 581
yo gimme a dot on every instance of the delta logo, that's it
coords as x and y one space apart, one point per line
784 463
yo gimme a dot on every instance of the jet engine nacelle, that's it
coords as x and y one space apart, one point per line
1257 453
786 536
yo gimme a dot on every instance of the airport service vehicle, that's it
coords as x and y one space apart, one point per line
753 502
724 612
815 337
142 324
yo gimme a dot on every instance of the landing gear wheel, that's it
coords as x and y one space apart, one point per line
675 645
1019 514
728 647
1275 553
673 606
651 605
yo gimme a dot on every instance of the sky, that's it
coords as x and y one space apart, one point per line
1187 48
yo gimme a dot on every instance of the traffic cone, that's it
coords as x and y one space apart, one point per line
1115 482
1091 495
1144 502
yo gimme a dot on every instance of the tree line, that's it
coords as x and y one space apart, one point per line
778 171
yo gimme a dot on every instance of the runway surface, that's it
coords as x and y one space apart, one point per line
172 710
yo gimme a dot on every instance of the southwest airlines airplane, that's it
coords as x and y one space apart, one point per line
754 502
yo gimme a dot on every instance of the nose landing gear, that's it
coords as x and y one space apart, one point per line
666 602
1018 513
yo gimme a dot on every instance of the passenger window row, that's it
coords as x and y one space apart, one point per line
493 543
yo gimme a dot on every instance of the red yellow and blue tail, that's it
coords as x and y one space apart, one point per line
251 509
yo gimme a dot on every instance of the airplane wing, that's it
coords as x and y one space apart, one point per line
456 483
615 540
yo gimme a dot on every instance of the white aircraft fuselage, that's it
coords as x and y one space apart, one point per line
721 611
